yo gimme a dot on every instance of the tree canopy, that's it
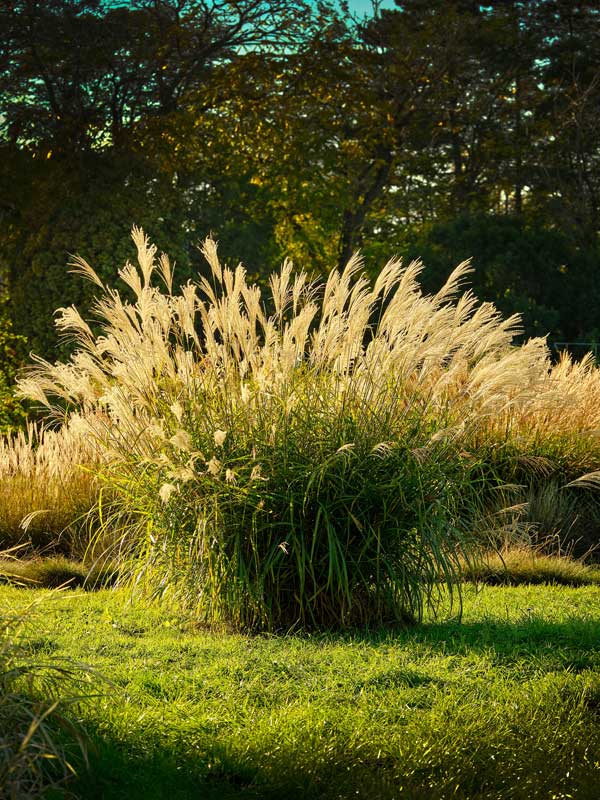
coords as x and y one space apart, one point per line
441 128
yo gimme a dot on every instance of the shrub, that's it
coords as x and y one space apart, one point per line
321 463
12 411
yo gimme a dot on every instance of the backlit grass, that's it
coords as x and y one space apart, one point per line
504 705
526 565
48 483
54 572
319 455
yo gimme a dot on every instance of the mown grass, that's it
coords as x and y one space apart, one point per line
504 705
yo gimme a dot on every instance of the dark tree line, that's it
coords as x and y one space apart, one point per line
441 128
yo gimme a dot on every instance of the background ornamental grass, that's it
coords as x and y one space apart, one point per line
48 485
321 456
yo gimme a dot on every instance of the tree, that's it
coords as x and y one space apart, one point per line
567 186
525 268
12 411
91 94
80 73
293 129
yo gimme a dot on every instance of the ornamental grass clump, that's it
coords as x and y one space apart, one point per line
546 449
313 464
47 487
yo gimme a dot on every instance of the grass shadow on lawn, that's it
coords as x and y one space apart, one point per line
122 774
532 638
529 637
524 753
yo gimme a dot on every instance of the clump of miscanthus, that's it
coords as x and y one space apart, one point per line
313 464
48 484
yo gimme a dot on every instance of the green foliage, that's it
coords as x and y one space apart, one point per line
323 521
37 736
501 706
12 411
528 269
290 129
57 211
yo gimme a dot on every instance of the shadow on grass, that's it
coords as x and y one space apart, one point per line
216 774
572 644
150 769
471 765
115 772
527 638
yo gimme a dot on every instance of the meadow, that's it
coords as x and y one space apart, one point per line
301 500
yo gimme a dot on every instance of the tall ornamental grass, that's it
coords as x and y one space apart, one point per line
314 457
545 449
48 485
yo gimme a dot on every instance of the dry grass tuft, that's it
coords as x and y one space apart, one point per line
520 565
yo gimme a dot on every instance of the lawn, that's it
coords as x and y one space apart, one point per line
504 704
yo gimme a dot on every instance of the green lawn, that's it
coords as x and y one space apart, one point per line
505 704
